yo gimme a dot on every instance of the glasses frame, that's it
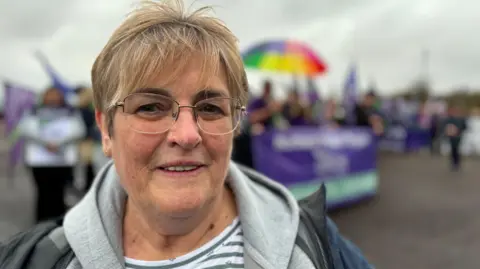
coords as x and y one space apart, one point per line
242 108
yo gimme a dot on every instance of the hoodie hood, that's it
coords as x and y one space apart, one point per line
93 227
268 213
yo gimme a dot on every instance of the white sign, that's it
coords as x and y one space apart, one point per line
53 132
329 163
309 140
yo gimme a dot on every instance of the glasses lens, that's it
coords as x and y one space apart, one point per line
150 113
218 115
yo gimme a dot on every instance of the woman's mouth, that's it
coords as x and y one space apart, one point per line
181 170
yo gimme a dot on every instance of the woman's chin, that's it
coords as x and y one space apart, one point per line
181 202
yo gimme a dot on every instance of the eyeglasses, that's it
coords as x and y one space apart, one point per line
150 113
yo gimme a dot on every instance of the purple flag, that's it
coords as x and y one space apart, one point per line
57 81
350 95
17 101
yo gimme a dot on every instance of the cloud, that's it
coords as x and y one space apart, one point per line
25 19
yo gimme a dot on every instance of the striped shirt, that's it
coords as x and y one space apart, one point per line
223 252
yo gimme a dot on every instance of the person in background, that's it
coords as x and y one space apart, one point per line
52 131
84 104
377 123
423 118
294 112
433 132
261 111
454 127
313 105
426 120
329 110
365 109
396 111
368 115
333 114
472 137
242 149
316 112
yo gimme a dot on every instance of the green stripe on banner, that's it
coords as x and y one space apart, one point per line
340 189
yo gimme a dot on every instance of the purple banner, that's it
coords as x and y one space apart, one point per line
17 101
307 153
417 138
401 139
394 139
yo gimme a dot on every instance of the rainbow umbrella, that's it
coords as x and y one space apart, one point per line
284 56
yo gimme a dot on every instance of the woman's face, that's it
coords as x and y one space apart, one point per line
53 97
293 97
146 162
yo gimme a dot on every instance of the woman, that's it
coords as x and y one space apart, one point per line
293 111
170 89
262 110
52 131
471 138
454 128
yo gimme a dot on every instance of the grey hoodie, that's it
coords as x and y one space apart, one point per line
269 216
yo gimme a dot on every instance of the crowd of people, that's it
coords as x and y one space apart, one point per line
266 113
444 126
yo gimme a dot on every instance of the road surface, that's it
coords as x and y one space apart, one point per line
424 217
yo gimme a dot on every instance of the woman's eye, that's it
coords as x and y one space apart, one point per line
210 109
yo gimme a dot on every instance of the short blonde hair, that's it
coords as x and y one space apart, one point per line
159 36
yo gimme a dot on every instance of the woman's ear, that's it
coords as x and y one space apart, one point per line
100 118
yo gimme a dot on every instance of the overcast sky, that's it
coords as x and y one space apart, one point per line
385 37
